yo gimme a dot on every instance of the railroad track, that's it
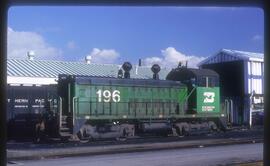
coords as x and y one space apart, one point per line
52 143
31 154
256 163
38 151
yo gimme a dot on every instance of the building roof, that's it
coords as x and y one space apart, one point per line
51 69
225 55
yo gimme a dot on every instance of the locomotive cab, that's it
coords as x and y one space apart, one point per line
202 84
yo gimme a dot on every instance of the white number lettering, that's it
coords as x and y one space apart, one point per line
116 96
107 96
99 95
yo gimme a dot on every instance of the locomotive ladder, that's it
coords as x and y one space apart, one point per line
64 123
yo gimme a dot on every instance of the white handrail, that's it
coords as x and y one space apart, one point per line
73 111
227 107
231 109
60 112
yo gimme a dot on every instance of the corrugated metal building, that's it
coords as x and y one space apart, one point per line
40 72
241 80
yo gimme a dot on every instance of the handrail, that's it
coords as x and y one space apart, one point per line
182 103
231 110
190 93
73 110
60 112
228 110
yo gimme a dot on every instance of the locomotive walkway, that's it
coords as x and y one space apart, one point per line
29 151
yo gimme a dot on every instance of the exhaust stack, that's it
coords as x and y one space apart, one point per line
88 59
120 73
127 67
155 69
31 55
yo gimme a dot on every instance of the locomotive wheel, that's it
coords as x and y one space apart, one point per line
184 132
83 137
64 139
124 134
120 138
213 127
38 136
179 132
123 137
212 130
39 133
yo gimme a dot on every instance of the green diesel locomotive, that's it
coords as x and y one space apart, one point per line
102 107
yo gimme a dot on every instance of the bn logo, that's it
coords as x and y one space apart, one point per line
209 97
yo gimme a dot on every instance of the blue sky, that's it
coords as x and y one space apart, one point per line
117 34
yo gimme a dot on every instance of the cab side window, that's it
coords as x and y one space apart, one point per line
203 82
208 81
211 82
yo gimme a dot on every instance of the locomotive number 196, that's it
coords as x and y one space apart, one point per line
107 95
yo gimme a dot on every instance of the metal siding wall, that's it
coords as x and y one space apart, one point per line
235 111
219 57
249 69
256 68
262 66
256 77
246 77
246 109
251 82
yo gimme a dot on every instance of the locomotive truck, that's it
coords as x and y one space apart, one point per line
104 107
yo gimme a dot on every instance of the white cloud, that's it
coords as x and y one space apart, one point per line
171 57
152 60
104 55
20 42
257 38
71 45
